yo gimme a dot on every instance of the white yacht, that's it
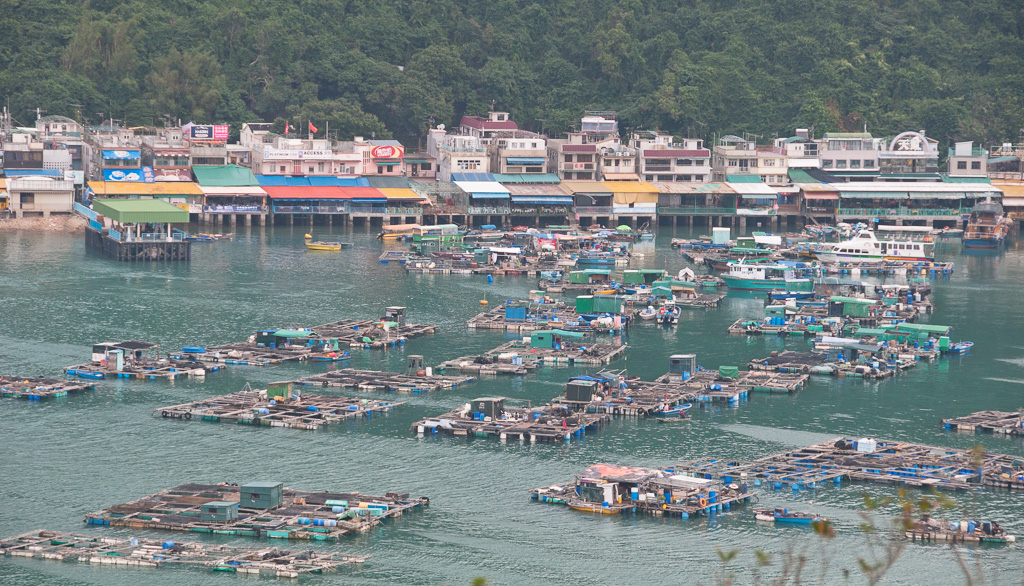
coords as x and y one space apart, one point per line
865 247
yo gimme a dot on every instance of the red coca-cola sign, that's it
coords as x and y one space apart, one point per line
386 152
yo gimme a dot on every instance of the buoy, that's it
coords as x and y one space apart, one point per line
308 236
483 302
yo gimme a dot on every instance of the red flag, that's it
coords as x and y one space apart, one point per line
564 426
312 128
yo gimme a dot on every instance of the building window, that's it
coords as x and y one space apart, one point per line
607 162
826 163
976 165
685 177
869 163
467 164
585 158
733 162
961 164
320 167
698 178
840 164
855 163
684 162
282 169
425 166
534 169
568 158
768 162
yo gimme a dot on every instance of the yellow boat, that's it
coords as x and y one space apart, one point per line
397 231
331 246
590 508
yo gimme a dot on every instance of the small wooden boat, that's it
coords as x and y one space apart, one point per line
648 313
960 347
786 516
668 315
677 412
90 374
330 356
329 246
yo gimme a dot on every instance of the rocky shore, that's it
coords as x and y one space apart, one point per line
55 223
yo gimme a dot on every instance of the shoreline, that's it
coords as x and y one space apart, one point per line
55 223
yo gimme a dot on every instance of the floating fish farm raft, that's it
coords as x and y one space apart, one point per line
610 489
614 395
38 388
817 363
257 509
868 460
496 417
893 268
523 356
375 380
142 552
751 380
545 316
134 359
252 407
1004 422
936 531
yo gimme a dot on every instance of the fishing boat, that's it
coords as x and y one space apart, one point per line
780 276
783 295
987 227
90 374
329 246
677 412
589 507
786 516
668 315
866 248
960 348
647 314
932 530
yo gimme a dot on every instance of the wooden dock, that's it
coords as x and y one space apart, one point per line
38 388
883 462
751 380
891 268
613 489
534 424
251 407
622 396
376 380
790 362
145 552
168 369
517 357
317 516
1002 422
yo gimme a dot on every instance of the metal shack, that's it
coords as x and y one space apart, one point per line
218 511
261 495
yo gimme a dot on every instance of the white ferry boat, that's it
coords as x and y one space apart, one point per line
865 247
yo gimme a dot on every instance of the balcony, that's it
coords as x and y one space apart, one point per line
656 168
696 211
238 209
593 209
403 211
540 211
488 210
577 166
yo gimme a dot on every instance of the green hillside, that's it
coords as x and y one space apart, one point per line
952 67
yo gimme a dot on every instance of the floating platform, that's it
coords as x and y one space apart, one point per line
316 516
143 552
612 489
620 396
251 407
547 316
376 380
165 369
892 268
38 388
751 380
518 357
496 420
790 362
936 531
868 460
1003 422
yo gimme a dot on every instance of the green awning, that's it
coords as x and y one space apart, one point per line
140 211
387 163
224 175
743 179
408 160
294 334
939 195
801 176
948 179
873 194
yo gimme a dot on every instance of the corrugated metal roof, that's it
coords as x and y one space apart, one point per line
674 187
403 194
743 178
948 179
283 181
472 177
135 211
621 176
487 124
224 175
33 173
482 187
594 187
1010 189
161 189
801 176
549 189
526 178
380 181
695 153
753 189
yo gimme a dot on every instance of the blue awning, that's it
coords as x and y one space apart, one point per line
525 160
122 154
33 173
489 196
472 177
324 181
541 200
361 200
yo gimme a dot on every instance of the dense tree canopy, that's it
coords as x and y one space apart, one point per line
952 67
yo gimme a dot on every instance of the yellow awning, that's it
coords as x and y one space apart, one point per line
402 194
3 183
630 187
161 189
1010 189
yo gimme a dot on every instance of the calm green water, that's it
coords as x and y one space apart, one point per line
62 459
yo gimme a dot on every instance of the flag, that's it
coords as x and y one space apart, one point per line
312 128
564 426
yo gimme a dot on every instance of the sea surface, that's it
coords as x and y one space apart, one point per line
64 458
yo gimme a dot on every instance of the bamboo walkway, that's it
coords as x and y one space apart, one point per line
375 380
1002 422
517 357
536 424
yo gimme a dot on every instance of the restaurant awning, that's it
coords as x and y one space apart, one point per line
230 191
224 175
821 195
403 194
621 176
759 195
525 160
873 194
489 196
163 189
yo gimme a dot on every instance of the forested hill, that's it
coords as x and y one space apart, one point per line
952 67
